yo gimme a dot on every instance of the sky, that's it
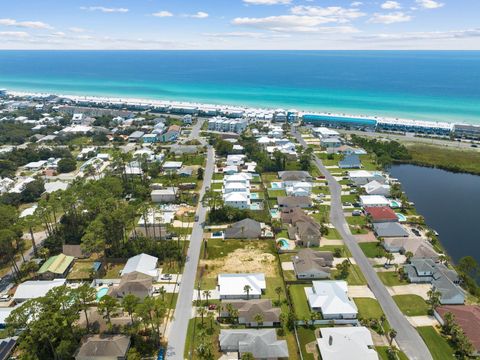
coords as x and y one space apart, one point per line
240 24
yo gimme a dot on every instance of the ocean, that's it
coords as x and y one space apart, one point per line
423 85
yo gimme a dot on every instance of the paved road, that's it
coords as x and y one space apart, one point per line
407 338
195 133
183 310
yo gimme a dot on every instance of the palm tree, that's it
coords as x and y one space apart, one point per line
129 303
408 256
211 319
247 289
162 291
206 295
433 299
202 312
258 318
392 334
389 257
278 291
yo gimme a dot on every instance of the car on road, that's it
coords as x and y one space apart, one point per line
196 218
346 203
416 232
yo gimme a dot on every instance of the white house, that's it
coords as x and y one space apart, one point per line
374 200
233 286
142 263
172 165
346 343
331 299
230 170
237 160
299 188
323 132
35 165
235 187
166 195
239 200
33 289
376 188
243 178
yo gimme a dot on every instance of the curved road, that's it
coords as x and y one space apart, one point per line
408 339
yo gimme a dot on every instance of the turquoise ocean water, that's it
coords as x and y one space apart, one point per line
430 85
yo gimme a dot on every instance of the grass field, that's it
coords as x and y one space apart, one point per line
368 308
333 234
391 278
411 305
449 159
211 329
438 346
355 276
299 301
273 194
383 353
306 335
372 249
113 270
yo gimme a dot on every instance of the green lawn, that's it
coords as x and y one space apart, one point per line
349 198
411 305
273 194
194 326
345 251
383 354
299 301
216 186
218 248
306 335
391 278
438 346
356 220
355 276
217 176
333 234
368 308
113 270
372 249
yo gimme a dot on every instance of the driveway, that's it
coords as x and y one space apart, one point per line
423 321
411 289
408 338
360 291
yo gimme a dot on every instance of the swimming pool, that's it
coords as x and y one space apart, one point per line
395 204
276 185
274 213
254 196
283 243
101 293
256 206
401 217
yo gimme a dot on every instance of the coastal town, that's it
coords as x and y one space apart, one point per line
136 229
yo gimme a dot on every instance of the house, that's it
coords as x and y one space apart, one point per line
103 347
310 264
51 187
35 165
7 347
261 343
323 132
287 176
376 188
373 200
236 160
135 283
187 119
291 202
230 187
363 177
185 171
33 289
299 188
230 170
150 138
442 279
350 162
330 142
380 214
244 229
330 297
166 195
172 134
142 263
247 309
238 200
172 166
346 343
136 136
467 317
243 178
303 229
420 248
233 286
389 229
56 267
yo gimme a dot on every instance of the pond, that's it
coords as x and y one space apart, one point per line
449 203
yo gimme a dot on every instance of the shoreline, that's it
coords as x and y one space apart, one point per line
250 110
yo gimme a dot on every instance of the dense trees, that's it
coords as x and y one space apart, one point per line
14 133
66 165
386 152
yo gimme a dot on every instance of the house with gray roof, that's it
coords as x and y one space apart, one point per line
420 248
244 229
443 279
389 229
261 343
103 347
310 264
351 161
294 176
248 309
135 136
134 283
294 201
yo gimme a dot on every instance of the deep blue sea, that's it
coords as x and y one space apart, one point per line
429 85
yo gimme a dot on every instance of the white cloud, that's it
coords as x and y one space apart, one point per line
429 4
305 19
356 3
14 34
390 18
250 35
104 9
267 2
427 35
391 5
198 15
163 13
77 29
25 24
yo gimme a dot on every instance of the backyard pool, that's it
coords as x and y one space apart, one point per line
394 204
284 244
256 206
101 293
401 217
275 213
254 196
276 185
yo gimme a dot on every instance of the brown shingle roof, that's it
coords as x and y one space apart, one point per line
381 213
468 318
247 309
103 346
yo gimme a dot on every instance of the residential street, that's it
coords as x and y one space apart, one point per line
407 338
183 310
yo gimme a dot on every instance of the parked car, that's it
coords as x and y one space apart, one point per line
346 203
166 277
212 307
356 213
416 232
196 218
4 298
